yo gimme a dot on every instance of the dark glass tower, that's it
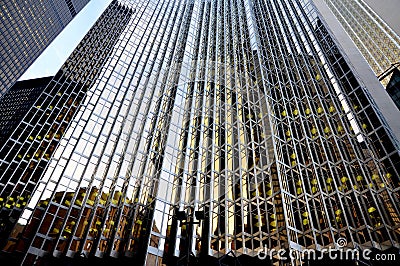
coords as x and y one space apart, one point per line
182 131
393 87
16 103
26 29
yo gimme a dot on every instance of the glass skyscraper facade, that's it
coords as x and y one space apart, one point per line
187 130
26 29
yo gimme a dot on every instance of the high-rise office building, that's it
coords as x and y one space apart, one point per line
16 103
377 42
195 131
393 87
26 29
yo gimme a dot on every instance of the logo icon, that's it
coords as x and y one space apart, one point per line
341 242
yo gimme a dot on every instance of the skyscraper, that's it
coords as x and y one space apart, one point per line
393 87
377 42
196 129
27 28
16 103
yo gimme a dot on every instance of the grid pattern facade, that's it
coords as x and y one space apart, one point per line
27 28
16 102
377 42
245 113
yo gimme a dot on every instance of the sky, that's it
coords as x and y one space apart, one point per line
51 60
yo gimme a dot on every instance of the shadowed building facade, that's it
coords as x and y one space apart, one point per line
393 87
26 29
16 103
198 129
